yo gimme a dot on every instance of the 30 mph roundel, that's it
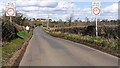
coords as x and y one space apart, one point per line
96 11
10 11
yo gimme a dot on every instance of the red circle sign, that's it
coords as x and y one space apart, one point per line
96 11
10 11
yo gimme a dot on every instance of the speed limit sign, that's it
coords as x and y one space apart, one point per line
10 12
96 11
96 8
10 9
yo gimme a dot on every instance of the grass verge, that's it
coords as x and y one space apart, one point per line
11 47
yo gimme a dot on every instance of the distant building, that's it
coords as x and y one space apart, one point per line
43 20
40 19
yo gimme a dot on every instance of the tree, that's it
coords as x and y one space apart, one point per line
70 19
50 20
9 30
34 19
60 20
19 19
118 31
87 20
75 21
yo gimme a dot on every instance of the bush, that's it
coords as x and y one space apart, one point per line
22 34
8 31
90 30
118 31
103 31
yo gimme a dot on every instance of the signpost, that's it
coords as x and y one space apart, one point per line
10 10
96 12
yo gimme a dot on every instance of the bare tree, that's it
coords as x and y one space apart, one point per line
70 19
87 19
60 20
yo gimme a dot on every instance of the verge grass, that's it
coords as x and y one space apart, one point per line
9 48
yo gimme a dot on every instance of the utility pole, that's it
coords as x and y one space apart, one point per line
48 23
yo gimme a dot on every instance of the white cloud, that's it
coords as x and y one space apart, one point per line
60 16
59 10
2 6
110 12
87 10
26 2
32 15
65 5
31 8
40 3
47 4
111 8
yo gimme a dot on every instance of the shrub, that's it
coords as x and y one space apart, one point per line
22 34
118 31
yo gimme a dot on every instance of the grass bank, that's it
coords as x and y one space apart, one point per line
110 46
11 47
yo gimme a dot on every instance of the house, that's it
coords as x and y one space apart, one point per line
43 20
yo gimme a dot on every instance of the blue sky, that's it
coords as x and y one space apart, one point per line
57 9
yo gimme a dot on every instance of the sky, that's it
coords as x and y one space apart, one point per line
62 9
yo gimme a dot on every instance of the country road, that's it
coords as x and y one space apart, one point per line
45 50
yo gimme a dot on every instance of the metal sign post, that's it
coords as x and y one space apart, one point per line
10 19
96 28
96 11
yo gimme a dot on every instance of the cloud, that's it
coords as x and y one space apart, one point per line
2 6
65 5
86 10
39 3
30 8
60 9
112 8
110 12
26 2
47 4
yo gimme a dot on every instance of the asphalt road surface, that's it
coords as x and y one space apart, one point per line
45 50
